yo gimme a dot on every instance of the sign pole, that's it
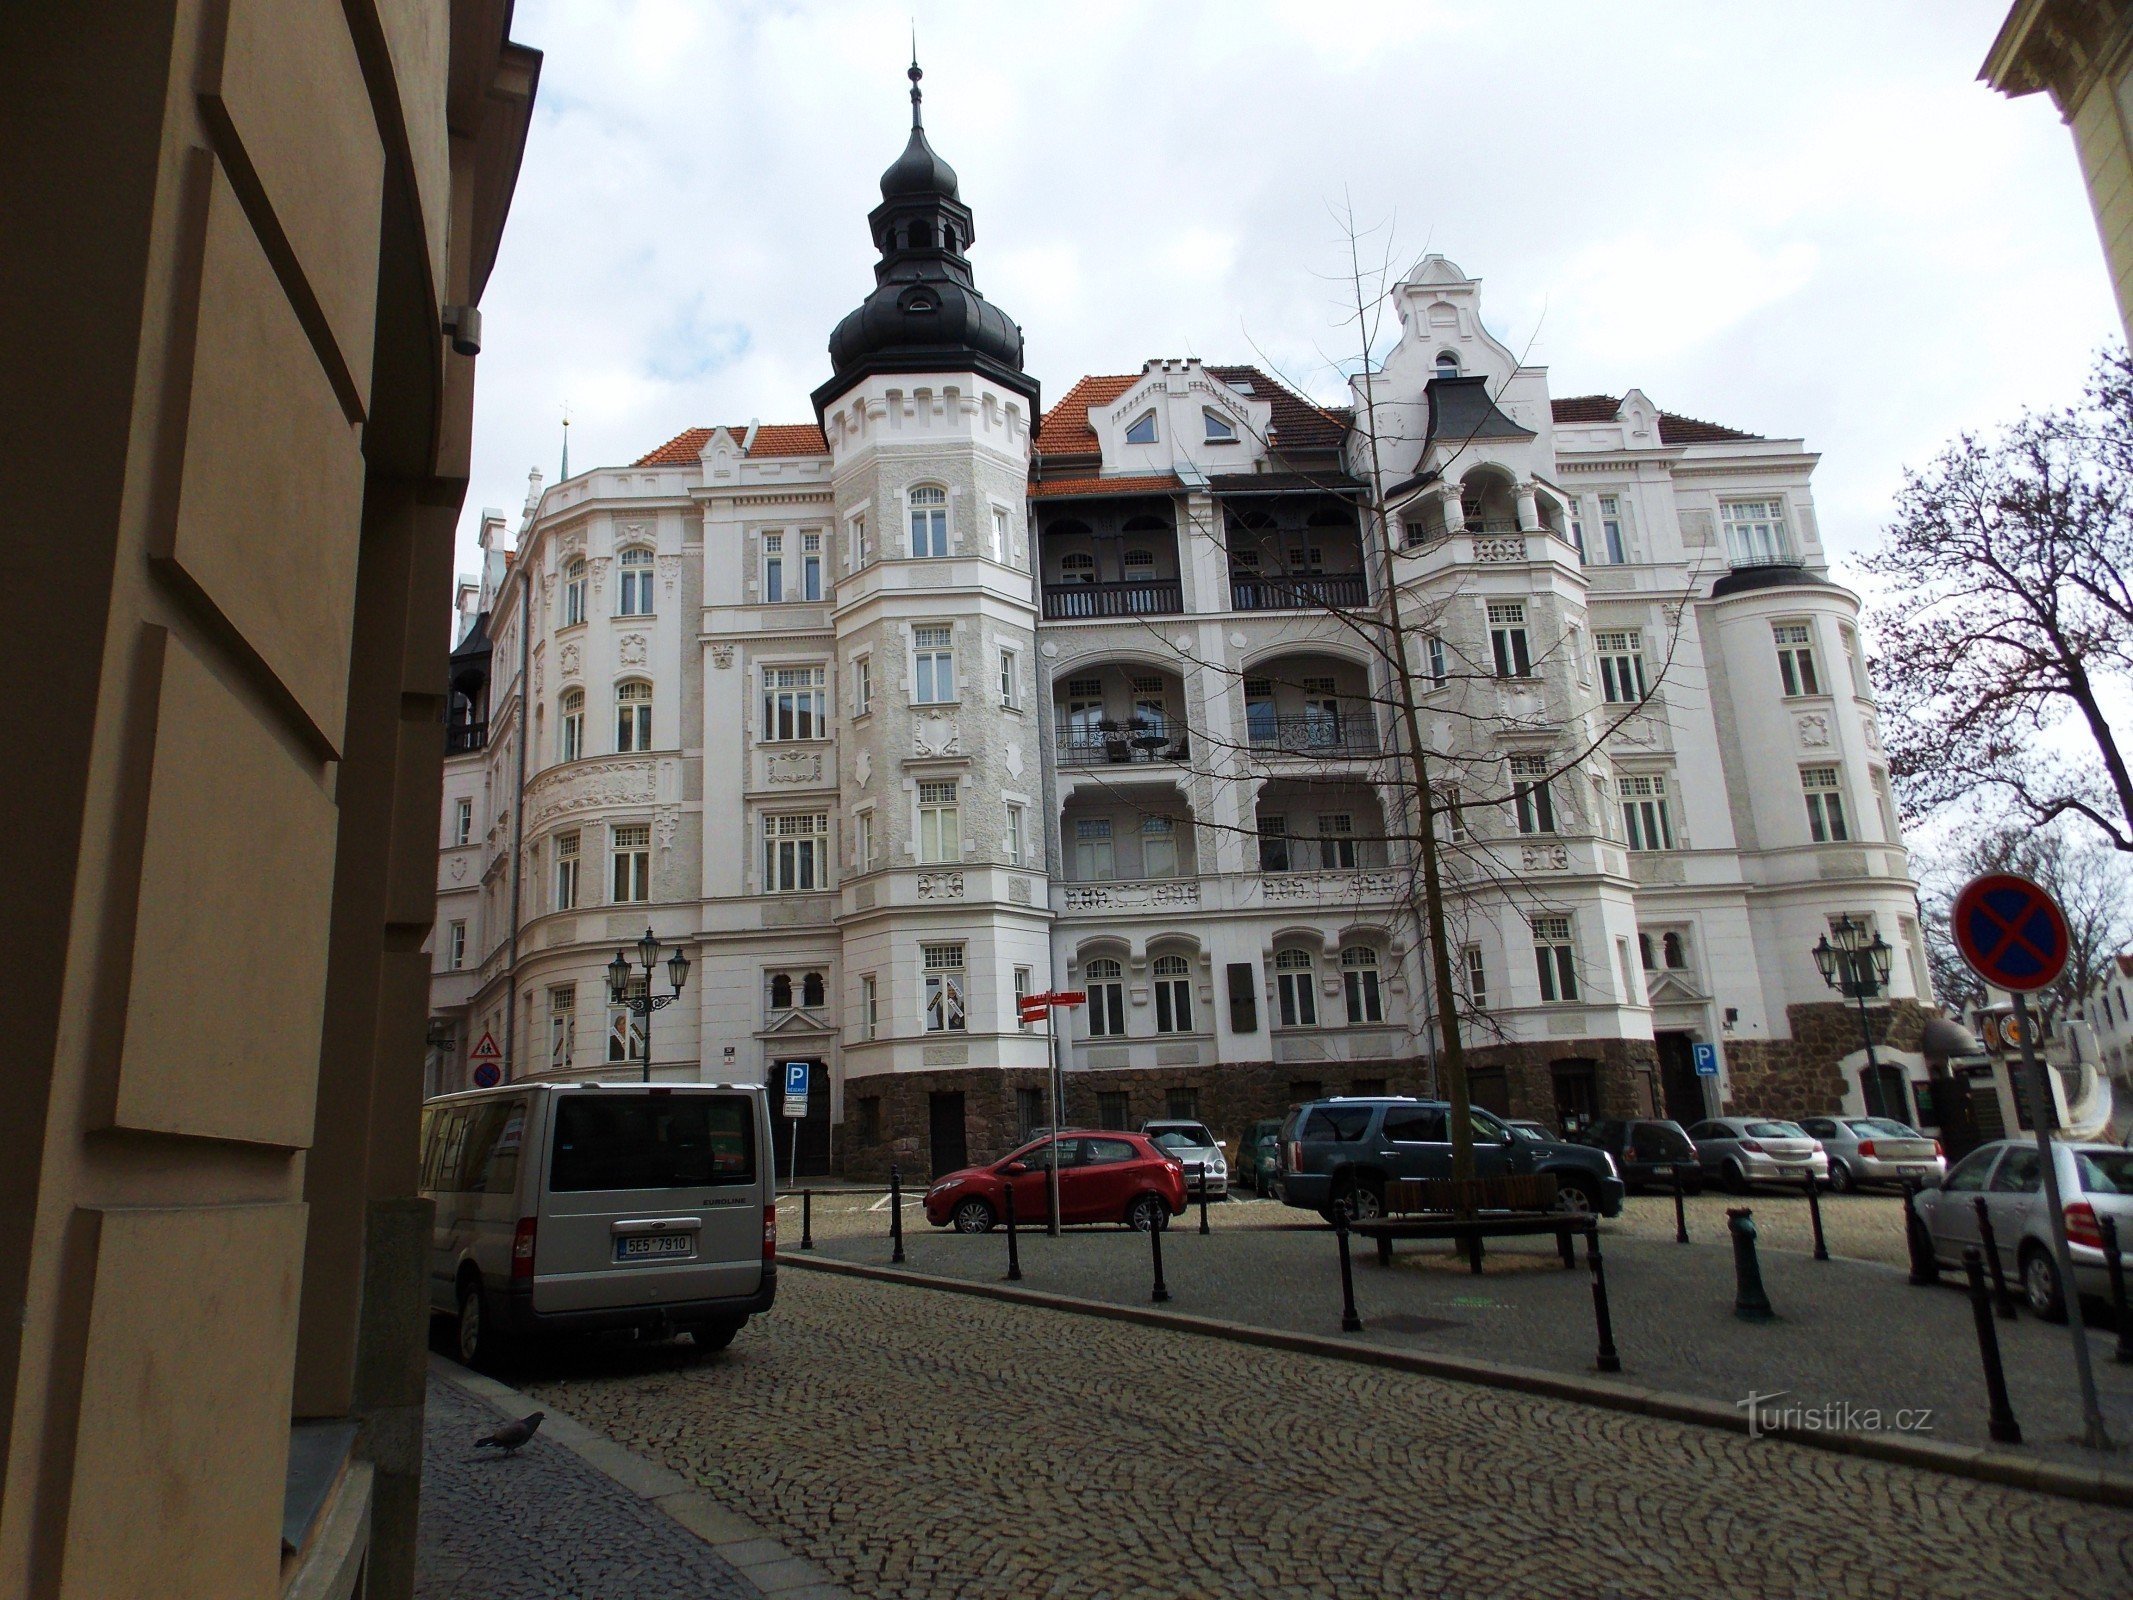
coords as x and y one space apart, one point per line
1051 1181
2043 1113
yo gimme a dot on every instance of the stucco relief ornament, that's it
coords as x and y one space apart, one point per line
722 655
1814 731
863 768
540 662
569 661
459 870
936 735
1012 760
600 564
1873 731
630 650
665 826
794 766
669 572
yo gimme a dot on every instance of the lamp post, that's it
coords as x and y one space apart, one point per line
643 1005
1858 970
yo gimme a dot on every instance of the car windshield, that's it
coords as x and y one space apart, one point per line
1520 1130
2105 1171
1487 1126
1189 1137
1776 1130
1880 1128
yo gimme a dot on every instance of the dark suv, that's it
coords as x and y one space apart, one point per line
1339 1153
1647 1150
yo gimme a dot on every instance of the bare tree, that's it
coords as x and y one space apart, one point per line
2007 635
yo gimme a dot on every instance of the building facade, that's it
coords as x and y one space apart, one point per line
946 699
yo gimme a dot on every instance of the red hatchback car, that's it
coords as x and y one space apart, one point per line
1103 1177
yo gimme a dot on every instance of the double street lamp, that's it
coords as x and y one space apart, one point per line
1858 970
643 1005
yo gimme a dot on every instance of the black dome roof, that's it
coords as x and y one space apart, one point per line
938 316
918 171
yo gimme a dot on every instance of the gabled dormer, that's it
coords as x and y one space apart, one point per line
1179 411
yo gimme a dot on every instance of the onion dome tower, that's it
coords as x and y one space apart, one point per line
925 314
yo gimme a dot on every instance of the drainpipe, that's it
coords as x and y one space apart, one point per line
518 820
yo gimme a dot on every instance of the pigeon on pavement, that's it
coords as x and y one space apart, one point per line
513 1436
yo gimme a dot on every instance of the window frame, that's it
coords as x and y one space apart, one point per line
928 657
1799 662
1362 988
930 541
638 854
633 582
1296 987
1765 539
793 855
574 575
1104 981
570 726
567 858
944 973
808 702
1555 958
938 840
1510 643
1828 821
1171 974
633 717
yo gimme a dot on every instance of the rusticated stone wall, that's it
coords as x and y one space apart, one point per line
1798 1077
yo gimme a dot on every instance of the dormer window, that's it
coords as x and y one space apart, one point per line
1142 429
1219 430
1447 364
920 302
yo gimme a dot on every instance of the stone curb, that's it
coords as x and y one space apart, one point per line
2096 1485
747 1547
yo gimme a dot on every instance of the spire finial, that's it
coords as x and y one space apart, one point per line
566 442
914 75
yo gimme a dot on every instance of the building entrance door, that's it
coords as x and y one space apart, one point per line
1679 1087
949 1142
1577 1094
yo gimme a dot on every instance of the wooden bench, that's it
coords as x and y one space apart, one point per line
1470 1210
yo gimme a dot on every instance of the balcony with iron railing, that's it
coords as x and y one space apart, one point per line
1298 592
1321 734
1121 743
464 738
1136 597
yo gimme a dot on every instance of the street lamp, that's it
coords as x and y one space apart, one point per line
1858 971
643 1005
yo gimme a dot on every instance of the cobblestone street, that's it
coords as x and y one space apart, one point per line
919 1444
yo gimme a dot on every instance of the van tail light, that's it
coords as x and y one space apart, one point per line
1866 1148
2082 1226
522 1249
770 1232
1751 1147
1938 1151
1295 1161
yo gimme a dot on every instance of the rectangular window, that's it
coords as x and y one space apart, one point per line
1113 1109
773 567
1029 1112
633 717
1611 529
570 727
1296 987
562 1025
1181 1104
1886 801
1796 658
929 521
856 554
574 594
1173 995
1862 685
455 946
625 1027
944 1008
939 834
1002 548
869 1007
1093 858
869 1131
1754 532
635 591
1440 667
933 677
863 841
1024 987
810 566
1645 823
463 822
1273 844
1621 665
1555 958
1477 979
795 704
1014 834
795 851
1532 797
1507 639
1359 985
1105 986
566 871
1010 679
633 862
1453 810
1825 805
1336 841
862 686
1159 847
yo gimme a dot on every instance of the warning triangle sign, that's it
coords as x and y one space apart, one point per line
486 1050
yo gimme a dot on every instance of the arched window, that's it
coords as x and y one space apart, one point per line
570 726
1359 977
929 520
574 593
1107 999
1296 985
1077 566
1139 563
1676 950
781 991
633 717
635 599
1447 364
811 991
1173 995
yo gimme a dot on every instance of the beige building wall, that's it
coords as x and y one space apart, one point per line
2080 52
236 448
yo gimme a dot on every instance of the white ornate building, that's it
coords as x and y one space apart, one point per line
890 717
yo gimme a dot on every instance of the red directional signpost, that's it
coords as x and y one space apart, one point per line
1037 1008
2014 936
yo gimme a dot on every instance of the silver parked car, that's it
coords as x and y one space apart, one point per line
1191 1143
2095 1181
1875 1150
574 1207
1738 1151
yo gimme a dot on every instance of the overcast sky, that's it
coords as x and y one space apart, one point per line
1807 220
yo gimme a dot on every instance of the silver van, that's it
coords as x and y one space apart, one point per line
575 1207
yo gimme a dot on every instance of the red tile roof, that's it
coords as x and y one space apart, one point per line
1673 428
1065 430
1298 424
771 439
1061 488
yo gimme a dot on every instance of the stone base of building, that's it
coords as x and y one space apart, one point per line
1799 1077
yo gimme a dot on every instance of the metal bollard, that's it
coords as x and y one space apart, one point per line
807 1219
2003 1298
1350 1322
1203 1201
1924 1269
896 1214
2003 1427
1749 1300
2123 1355
1681 1210
1603 1321
1014 1252
1814 1213
1155 1246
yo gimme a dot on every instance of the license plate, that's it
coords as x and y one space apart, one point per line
639 1246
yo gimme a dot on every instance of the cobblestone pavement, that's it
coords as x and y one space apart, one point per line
1848 1333
542 1525
921 1445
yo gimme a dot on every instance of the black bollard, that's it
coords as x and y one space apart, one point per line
1203 1202
1350 1322
1155 1246
1924 1269
1814 1213
807 1219
1681 1210
1603 1321
1014 1252
1750 1303
2123 1355
896 1214
2002 1297
2003 1427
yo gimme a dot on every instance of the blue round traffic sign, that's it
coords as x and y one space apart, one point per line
2011 932
488 1075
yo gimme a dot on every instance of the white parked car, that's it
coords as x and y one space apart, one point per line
1875 1150
1190 1143
1738 1151
2095 1181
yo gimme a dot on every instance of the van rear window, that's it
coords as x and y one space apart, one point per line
1343 1123
647 1141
